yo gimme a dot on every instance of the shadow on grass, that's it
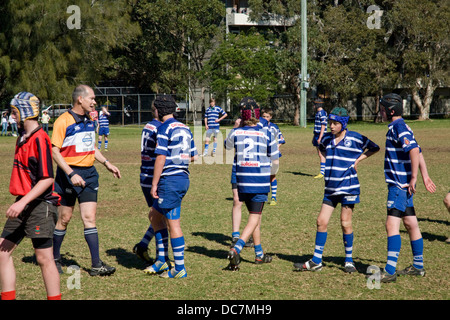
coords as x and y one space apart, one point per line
126 258
299 173
217 237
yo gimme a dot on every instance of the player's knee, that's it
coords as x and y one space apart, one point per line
322 224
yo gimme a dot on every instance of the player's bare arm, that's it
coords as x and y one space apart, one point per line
111 168
16 208
429 184
157 171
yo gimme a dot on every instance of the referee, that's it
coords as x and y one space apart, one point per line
73 148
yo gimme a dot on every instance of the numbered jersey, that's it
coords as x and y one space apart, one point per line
148 156
175 141
255 149
75 136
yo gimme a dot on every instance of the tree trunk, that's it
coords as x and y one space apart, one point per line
424 106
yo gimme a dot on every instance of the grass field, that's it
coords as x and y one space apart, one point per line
288 229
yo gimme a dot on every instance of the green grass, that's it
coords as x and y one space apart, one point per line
288 229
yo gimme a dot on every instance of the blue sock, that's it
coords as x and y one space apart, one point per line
348 244
259 251
417 250
274 187
214 146
206 148
321 239
322 168
58 237
235 234
162 242
99 144
106 144
148 236
239 245
394 243
178 252
91 237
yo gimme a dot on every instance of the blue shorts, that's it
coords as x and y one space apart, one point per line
344 200
103 131
211 132
148 196
171 214
314 140
399 199
171 191
69 193
253 201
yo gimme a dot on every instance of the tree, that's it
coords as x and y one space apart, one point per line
243 65
420 30
176 37
41 53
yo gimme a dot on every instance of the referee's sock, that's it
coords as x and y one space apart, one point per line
91 237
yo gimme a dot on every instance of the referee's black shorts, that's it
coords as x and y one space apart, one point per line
69 193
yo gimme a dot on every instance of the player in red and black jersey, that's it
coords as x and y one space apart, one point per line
34 212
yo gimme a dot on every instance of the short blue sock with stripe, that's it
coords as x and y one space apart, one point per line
321 239
348 245
417 251
394 244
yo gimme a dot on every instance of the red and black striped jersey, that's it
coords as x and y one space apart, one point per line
32 162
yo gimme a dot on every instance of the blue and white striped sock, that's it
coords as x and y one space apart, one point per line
178 252
214 147
348 244
235 234
162 242
274 187
206 148
417 250
321 239
148 236
239 245
322 168
259 251
394 244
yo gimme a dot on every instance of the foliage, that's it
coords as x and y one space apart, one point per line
243 65
39 53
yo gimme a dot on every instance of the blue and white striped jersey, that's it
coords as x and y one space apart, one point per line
277 133
175 141
212 114
397 163
340 175
103 120
320 120
255 149
148 156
